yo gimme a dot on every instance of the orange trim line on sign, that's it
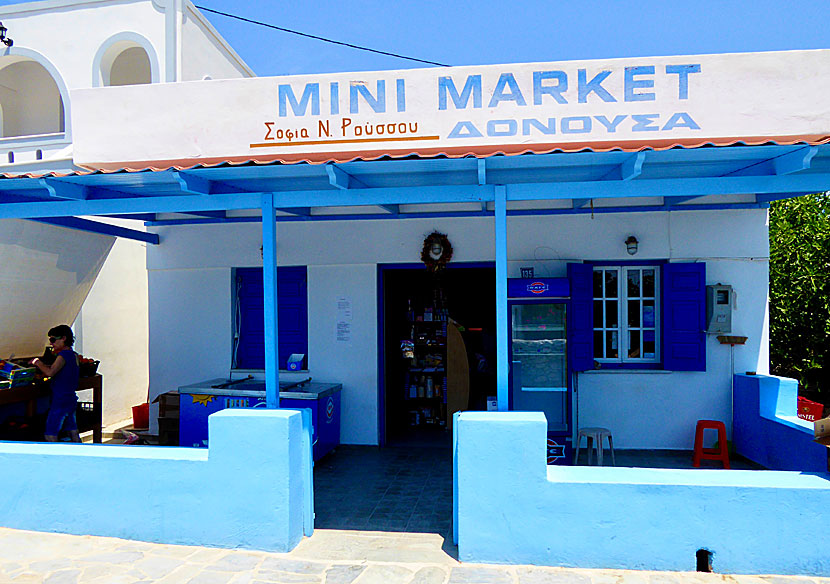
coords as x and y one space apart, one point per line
355 141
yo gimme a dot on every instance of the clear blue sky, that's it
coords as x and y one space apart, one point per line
459 32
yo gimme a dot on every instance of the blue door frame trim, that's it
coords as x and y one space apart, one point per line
382 268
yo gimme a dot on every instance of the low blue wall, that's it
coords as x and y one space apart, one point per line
250 489
767 429
513 508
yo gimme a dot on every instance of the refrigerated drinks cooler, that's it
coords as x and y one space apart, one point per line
540 378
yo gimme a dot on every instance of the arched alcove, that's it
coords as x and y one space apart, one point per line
125 59
130 67
30 100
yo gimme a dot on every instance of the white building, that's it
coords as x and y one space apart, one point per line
59 46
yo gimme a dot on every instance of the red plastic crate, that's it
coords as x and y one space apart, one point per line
809 410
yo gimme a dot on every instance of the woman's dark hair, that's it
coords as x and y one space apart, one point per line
63 330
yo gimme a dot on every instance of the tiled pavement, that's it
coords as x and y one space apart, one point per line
329 557
384 489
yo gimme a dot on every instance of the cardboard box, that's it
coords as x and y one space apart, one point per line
822 431
492 404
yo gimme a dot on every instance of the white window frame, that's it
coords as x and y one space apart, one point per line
622 314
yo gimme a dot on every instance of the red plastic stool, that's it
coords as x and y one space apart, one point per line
721 453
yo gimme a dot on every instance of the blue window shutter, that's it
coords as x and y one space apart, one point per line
580 318
292 315
684 316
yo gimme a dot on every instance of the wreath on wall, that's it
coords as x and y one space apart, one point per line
437 251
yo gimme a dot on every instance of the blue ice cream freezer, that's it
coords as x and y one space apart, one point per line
199 400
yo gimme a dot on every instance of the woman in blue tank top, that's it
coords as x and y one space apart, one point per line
64 375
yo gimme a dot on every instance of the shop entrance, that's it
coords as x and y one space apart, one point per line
438 349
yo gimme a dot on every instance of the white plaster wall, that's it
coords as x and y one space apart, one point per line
190 323
353 363
205 52
343 257
40 27
112 327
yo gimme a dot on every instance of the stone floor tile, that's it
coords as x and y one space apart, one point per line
114 557
480 575
63 577
207 555
538 575
293 566
157 566
384 574
279 577
343 574
211 577
181 574
430 575
236 562
28 578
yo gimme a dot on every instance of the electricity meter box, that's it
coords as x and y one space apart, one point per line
719 309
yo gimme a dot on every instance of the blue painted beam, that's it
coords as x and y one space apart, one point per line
502 356
794 161
60 189
214 214
814 182
269 282
304 211
341 179
672 200
102 228
192 182
136 216
174 204
482 178
628 169
456 214
393 209
778 196
579 203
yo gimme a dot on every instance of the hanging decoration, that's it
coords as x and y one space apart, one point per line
437 251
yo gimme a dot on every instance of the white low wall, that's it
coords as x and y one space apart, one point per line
512 508
250 489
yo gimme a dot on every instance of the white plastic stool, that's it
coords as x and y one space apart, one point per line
595 436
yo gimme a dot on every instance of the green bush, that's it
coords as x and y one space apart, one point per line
799 235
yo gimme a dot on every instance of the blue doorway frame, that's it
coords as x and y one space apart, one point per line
382 269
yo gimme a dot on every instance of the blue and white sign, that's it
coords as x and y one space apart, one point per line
538 288
637 102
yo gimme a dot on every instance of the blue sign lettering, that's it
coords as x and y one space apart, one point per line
631 83
472 88
378 104
311 93
682 72
507 81
585 88
554 91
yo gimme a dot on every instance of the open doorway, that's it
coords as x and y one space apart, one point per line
438 347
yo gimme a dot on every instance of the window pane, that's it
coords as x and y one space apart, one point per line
597 283
634 313
610 283
648 313
634 283
648 283
611 345
597 313
611 320
598 353
648 344
634 345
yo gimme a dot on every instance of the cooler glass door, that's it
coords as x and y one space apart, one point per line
539 343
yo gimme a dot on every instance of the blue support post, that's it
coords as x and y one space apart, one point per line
502 358
269 282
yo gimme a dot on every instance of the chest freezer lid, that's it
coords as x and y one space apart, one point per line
46 273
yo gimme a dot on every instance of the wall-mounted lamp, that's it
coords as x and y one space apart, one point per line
631 245
6 41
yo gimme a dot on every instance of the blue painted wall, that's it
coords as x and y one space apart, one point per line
514 509
250 489
767 428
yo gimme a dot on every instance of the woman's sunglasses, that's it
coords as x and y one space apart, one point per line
53 339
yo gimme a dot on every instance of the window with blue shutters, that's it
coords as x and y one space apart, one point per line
642 316
626 314
249 319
